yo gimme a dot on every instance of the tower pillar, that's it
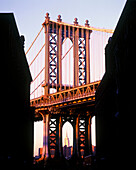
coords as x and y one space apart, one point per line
87 39
45 136
76 137
60 136
88 145
75 52
46 28
59 56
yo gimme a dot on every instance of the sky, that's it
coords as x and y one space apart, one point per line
30 14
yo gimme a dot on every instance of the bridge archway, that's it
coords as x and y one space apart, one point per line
67 140
67 63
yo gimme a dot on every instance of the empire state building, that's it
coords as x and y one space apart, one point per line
67 149
66 140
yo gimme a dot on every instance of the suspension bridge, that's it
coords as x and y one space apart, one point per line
67 62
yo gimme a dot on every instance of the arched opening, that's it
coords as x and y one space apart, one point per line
93 133
67 63
38 139
67 140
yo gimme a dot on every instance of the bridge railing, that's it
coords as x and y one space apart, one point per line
66 95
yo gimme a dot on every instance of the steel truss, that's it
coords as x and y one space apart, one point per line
52 136
55 35
53 58
82 136
80 132
69 119
82 61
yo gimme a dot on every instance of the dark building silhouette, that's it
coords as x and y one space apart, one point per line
67 151
115 97
16 125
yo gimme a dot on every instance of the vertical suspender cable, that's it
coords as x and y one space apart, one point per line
65 66
69 56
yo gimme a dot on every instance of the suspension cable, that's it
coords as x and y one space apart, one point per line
38 75
67 52
34 40
37 55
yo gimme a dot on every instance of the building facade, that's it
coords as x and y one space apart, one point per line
17 117
115 95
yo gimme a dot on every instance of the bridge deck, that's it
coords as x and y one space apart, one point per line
71 96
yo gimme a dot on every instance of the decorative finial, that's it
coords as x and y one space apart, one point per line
86 23
47 18
59 18
75 21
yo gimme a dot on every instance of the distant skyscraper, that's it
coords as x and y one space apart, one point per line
67 148
66 140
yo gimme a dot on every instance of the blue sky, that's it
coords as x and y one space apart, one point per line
30 14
